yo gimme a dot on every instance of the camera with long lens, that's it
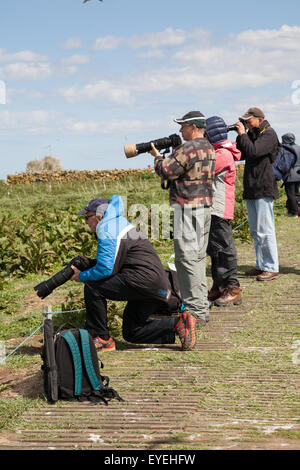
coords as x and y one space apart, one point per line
132 150
46 287
233 127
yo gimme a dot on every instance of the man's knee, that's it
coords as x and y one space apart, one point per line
90 290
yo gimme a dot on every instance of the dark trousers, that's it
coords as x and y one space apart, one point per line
221 249
137 327
291 189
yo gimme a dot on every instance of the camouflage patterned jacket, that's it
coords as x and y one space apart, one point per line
190 171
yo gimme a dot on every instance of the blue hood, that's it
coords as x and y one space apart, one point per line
216 129
110 230
112 220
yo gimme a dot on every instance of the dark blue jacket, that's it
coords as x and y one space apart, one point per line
287 165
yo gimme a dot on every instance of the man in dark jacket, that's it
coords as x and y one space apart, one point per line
128 268
260 147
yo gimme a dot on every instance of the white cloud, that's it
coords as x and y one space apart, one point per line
31 122
99 127
152 54
168 38
103 89
107 43
22 56
26 71
285 38
76 59
247 60
72 43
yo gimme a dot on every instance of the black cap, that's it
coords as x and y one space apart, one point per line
99 203
191 116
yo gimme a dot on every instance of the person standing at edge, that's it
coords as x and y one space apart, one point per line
189 171
260 147
292 182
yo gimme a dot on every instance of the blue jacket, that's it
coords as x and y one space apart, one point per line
122 249
111 228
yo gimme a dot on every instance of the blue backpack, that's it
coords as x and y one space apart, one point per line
284 162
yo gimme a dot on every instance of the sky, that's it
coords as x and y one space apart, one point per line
80 81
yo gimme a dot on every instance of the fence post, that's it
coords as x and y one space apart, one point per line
48 310
2 352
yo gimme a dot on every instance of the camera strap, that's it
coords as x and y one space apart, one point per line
165 184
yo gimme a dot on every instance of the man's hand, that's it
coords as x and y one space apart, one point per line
75 276
154 152
240 128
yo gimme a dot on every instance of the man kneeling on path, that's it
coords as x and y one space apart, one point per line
128 268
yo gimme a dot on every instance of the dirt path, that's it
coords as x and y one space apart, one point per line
239 388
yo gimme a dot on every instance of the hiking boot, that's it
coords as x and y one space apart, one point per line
104 345
230 295
266 276
214 294
253 272
185 328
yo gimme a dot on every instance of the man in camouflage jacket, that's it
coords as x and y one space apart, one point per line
189 171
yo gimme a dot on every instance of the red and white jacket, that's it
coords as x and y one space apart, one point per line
224 182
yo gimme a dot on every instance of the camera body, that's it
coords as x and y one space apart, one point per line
233 127
46 287
132 150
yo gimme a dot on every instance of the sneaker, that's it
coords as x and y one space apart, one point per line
185 328
104 345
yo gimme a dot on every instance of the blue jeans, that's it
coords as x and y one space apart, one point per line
262 230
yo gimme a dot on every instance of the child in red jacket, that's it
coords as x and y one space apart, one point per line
221 248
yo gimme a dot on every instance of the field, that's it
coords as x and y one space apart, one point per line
239 388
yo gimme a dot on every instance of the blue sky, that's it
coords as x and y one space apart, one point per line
82 80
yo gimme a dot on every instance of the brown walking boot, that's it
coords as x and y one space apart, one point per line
214 294
231 295
253 272
266 276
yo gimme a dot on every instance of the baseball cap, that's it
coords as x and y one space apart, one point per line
98 205
253 112
193 117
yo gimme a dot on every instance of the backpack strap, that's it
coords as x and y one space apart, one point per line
70 339
87 358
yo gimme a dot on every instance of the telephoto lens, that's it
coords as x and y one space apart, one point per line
46 287
132 150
